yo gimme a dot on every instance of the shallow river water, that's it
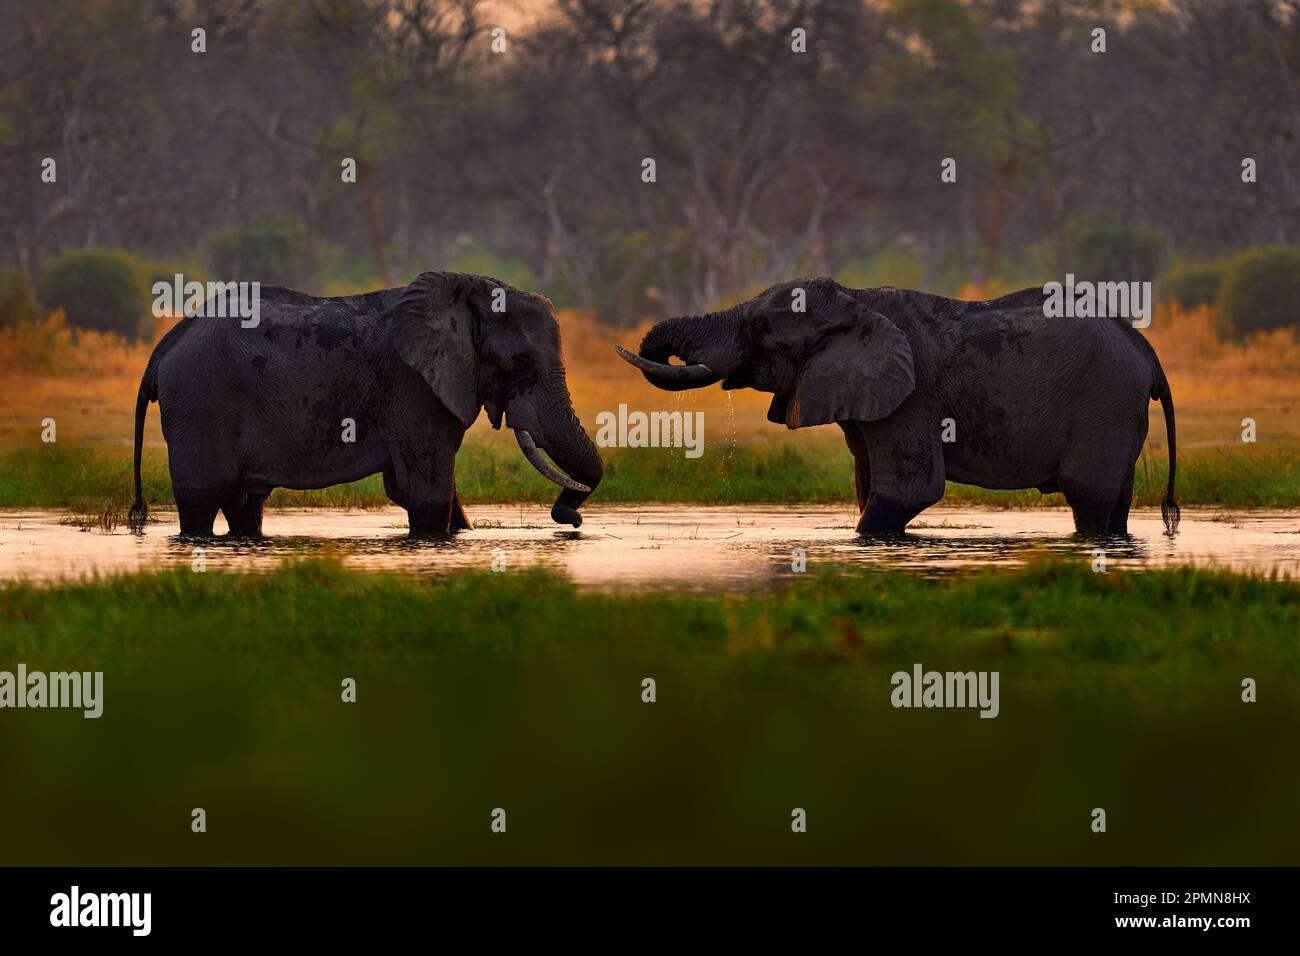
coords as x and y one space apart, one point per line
638 545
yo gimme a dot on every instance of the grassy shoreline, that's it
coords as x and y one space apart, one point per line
519 691
97 479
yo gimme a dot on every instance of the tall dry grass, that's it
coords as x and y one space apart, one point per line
87 382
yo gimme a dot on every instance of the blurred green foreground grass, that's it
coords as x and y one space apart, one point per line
478 691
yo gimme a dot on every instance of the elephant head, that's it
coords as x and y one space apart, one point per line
480 343
824 354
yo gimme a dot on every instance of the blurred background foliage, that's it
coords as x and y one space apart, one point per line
769 164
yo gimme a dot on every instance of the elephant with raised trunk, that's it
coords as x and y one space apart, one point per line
324 391
928 389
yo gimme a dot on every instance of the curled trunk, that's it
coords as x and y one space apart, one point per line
698 340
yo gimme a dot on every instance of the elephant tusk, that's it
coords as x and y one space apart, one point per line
678 373
538 461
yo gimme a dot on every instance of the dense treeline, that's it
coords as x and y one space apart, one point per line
523 153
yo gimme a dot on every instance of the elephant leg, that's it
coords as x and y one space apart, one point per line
423 439
1091 514
1119 514
244 514
906 471
395 493
196 518
459 520
887 515
861 462
430 490
1093 479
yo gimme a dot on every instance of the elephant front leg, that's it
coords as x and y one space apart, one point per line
906 472
459 520
429 490
391 488
861 462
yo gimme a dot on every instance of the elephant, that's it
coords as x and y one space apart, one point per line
928 389
401 372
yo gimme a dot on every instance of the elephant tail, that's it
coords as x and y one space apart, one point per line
1169 507
148 393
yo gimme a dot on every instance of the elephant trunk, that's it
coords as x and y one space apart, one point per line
568 445
699 340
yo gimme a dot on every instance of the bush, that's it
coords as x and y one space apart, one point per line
1193 284
98 289
269 252
1261 290
17 303
900 268
1103 250
161 270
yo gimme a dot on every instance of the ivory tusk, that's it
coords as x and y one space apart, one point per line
538 461
678 373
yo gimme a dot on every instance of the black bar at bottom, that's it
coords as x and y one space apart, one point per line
332 905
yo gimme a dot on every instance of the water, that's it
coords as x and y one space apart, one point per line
633 546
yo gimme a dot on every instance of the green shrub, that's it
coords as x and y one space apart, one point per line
98 289
894 266
480 260
269 251
1261 290
1193 284
17 303
1103 250
151 271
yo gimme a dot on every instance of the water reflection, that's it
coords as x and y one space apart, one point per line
695 547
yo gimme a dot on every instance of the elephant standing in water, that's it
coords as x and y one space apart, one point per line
928 389
324 391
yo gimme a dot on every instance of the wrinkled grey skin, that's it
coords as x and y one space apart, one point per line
246 410
1054 404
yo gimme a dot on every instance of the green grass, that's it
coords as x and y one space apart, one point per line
93 480
518 691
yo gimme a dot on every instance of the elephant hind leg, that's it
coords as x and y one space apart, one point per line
196 518
1098 489
244 514
1092 506
1119 513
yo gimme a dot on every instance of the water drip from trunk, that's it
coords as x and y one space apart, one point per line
730 444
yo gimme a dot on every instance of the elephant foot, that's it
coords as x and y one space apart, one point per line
431 521
887 517
196 518
244 515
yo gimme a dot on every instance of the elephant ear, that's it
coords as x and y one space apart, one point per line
861 370
435 332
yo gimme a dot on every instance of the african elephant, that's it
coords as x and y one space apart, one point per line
925 388
401 372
